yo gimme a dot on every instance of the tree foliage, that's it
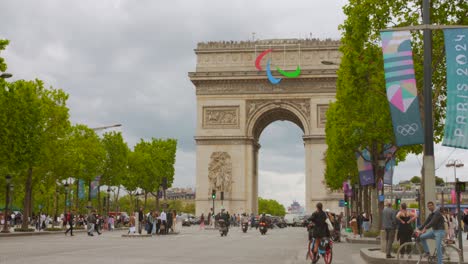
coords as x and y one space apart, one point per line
416 180
116 158
360 116
269 206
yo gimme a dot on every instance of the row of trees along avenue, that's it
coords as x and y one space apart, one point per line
360 117
42 151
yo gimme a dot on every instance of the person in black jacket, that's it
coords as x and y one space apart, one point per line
465 222
320 229
69 220
435 220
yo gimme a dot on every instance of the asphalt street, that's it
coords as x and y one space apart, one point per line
190 246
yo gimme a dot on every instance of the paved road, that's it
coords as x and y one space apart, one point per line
190 246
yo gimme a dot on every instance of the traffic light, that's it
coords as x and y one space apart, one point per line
397 201
346 203
460 187
222 196
213 194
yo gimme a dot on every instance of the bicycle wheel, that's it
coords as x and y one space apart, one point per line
310 250
409 252
451 254
328 256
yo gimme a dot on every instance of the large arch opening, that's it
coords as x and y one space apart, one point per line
279 172
281 165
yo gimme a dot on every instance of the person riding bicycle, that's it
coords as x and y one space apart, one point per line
435 220
320 229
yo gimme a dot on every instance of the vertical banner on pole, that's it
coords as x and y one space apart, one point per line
456 122
366 172
402 93
81 189
94 186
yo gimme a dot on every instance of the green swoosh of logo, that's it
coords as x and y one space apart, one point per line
290 74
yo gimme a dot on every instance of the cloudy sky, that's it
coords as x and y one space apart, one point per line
127 62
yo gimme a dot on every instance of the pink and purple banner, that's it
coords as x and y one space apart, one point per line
366 171
402 93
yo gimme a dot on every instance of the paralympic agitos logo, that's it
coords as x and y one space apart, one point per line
270 76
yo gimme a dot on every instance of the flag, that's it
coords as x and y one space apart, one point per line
95 186
366 172
456 121
402 93
81 189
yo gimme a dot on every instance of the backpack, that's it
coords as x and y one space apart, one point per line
68 217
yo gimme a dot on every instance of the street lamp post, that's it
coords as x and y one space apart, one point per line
66 196
7 201
457 164
108 199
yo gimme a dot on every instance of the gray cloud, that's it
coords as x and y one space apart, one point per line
127 62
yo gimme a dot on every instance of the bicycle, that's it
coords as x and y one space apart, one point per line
325 250
410 252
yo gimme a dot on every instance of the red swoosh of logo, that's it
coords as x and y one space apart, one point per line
260 57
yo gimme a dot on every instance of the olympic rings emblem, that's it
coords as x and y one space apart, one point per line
407 130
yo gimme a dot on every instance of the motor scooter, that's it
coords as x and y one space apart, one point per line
263 228
223 228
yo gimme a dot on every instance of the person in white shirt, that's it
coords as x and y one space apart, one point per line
163 218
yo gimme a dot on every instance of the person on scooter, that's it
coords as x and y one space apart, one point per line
320 230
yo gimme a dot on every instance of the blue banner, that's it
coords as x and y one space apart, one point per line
95 186
81 189
402 93
456 121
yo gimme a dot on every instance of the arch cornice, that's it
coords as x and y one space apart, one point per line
295 110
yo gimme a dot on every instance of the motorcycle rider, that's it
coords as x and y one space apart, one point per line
244 219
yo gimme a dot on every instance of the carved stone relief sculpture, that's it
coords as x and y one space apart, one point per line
220 172
221 117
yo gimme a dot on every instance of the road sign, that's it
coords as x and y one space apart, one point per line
341 203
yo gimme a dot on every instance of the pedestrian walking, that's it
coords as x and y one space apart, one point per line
131 229
69 217
149 223
140 220
91 221
174 221
202 222
389 224
354 224
163 222
169 222
465 222
405 227
365 222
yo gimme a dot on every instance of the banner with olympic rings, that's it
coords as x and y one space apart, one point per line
402 93
456 122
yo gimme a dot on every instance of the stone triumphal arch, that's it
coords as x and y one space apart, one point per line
236 101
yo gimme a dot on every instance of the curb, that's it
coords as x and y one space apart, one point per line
362 241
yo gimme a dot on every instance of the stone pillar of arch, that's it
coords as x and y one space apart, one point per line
235 103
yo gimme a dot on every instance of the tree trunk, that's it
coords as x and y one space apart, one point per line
375 209
99 200
422 198
116 202
27 199
157 202
146 199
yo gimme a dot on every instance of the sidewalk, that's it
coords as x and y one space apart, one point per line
40 233
375 256
349 238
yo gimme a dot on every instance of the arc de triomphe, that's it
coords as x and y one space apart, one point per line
236 101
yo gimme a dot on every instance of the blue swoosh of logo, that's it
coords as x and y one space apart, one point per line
272 79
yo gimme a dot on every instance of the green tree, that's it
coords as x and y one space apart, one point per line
359 118
439 181
32 118
87 155
116 159
269 206
3 45
416 180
